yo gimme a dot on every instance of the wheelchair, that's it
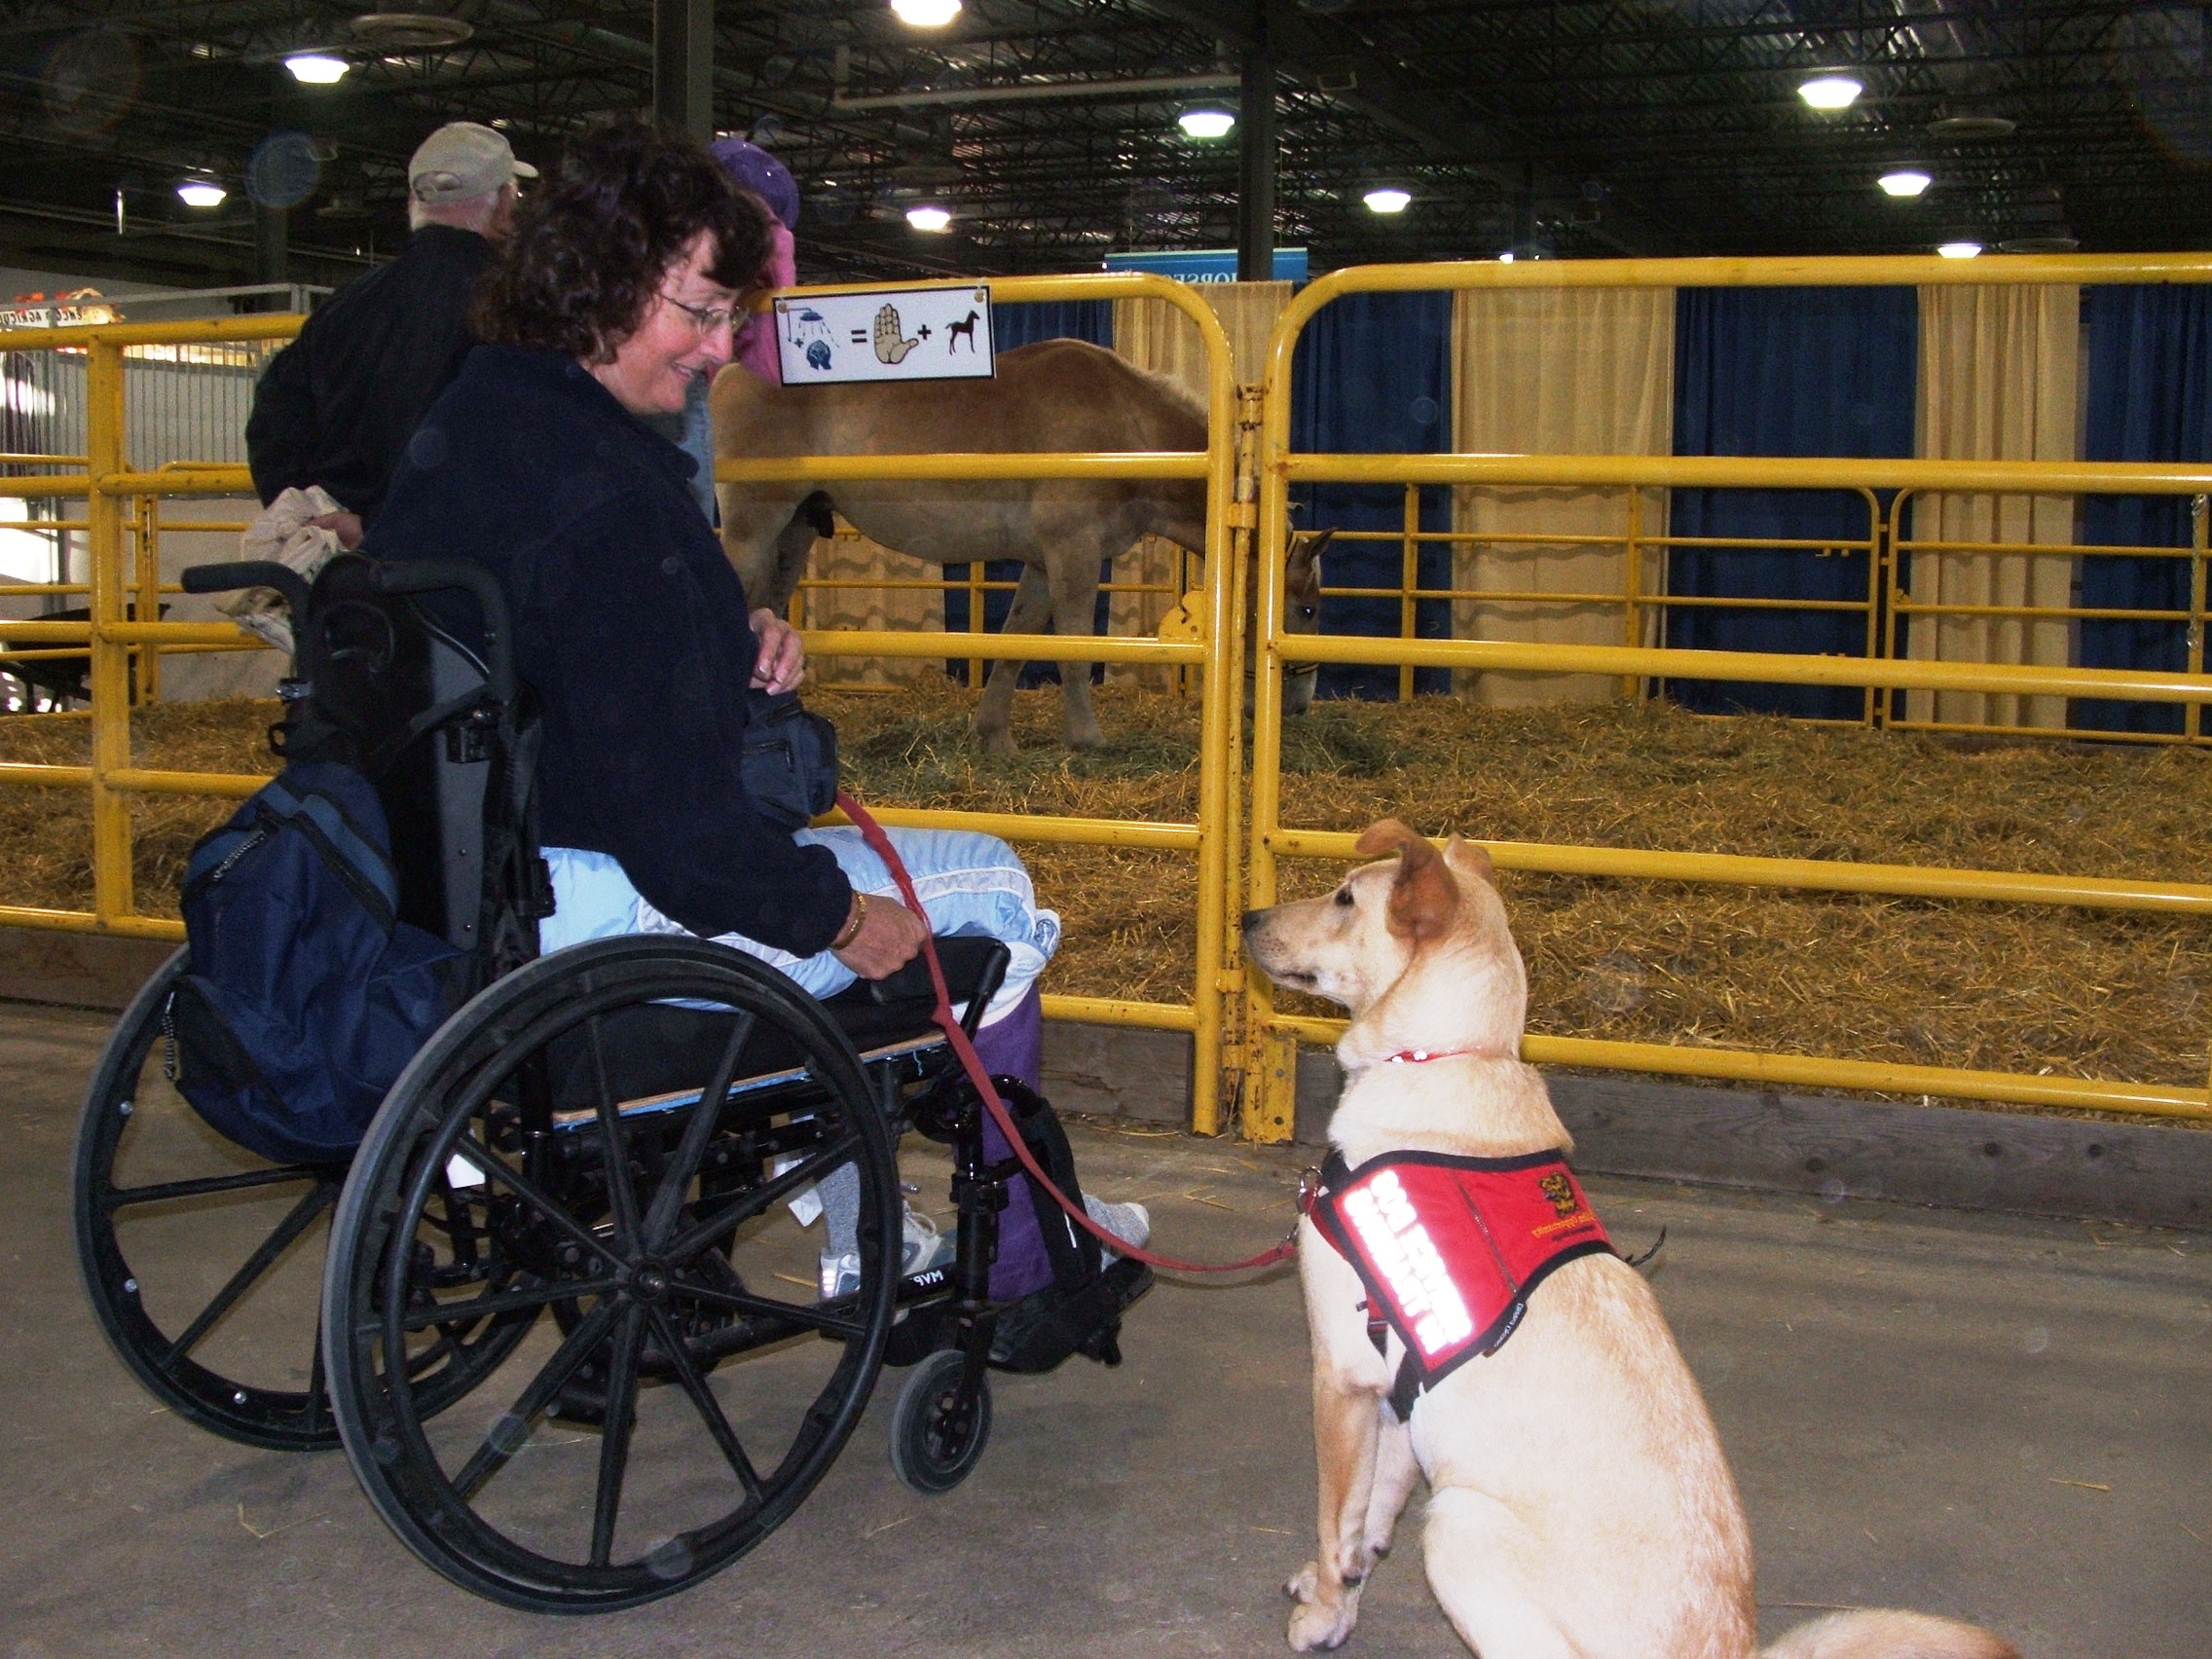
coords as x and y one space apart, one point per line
552 1308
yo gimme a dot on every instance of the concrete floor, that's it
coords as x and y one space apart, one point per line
2004 1420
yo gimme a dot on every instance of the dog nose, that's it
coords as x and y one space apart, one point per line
1252 919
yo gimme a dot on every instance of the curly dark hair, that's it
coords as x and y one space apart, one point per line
590 249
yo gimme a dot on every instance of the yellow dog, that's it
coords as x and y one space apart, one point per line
1581 1507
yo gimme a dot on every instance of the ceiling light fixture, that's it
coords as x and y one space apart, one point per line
924 13
200 193
1959 249
316 68
1387 198
1831 92
931 219
1206 123
1905 181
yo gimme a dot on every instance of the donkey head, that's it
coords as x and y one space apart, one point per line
1301 612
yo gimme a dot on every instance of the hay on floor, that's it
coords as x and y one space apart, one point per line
2001 987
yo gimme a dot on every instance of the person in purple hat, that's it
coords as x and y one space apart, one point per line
752 168
769 183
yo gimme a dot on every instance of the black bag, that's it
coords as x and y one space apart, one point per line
789 762
1081 1310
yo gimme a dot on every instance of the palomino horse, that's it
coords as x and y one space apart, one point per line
1057 395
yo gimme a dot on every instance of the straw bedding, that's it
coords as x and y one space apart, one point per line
1986 987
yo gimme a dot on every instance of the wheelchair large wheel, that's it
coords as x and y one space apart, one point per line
204 1261
626 1116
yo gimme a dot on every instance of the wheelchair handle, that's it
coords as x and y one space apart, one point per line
430 576
251 573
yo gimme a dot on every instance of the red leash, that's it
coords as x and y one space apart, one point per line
880 844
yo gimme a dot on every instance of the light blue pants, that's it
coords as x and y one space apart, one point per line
967 884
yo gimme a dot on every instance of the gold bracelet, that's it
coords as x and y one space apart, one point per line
853 926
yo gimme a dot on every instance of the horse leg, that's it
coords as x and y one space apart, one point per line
794 545
1075 599
1032 607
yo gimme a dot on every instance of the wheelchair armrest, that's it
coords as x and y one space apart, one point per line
250 574
973 966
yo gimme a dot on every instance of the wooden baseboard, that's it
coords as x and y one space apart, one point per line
75 970
1826 1146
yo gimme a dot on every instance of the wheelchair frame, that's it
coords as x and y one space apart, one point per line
550 1149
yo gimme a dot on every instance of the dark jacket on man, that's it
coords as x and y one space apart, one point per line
336 406
632 628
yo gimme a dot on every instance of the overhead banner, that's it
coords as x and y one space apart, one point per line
885 334
1207 264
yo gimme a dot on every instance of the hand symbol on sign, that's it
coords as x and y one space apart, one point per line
889 346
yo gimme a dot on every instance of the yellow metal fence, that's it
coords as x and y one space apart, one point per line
1242 1046
1271 1037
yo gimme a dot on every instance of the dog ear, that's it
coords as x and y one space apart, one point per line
1471 855
1424 897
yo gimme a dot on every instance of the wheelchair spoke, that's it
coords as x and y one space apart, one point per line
660 1220
537 1196
316 1401
621 1201
614 1437
511 1429
813 1317
709 1409
539 1295
263 1258
118 1198
749 1204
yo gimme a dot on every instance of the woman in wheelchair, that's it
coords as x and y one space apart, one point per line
614 294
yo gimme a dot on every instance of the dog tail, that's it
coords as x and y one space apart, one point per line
1882 1634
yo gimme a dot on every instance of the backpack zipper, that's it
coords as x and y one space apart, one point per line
169 1038
259 834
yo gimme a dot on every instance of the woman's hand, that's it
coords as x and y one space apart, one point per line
781 660
346 526
890 936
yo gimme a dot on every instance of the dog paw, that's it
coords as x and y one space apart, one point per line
1301 1587
1317 1627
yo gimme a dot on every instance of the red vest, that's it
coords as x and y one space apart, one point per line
1450 1248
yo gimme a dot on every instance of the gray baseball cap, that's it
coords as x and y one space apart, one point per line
464 159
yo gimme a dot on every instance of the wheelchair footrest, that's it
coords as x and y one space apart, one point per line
1045 1327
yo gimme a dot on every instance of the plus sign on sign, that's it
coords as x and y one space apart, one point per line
825 337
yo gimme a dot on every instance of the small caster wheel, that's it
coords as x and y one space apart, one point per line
936 1436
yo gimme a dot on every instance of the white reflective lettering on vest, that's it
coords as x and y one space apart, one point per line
1408 1260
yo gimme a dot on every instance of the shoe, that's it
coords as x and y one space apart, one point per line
1130 1223
923 1247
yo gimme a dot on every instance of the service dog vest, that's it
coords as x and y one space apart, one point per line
1450 1248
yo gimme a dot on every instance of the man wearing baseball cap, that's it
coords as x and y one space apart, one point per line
336 407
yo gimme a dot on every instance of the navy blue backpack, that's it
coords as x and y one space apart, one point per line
308 995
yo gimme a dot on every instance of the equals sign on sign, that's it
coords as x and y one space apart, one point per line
860 337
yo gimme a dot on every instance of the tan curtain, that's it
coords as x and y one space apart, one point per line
849 556
1997 371
1155 335
1562 371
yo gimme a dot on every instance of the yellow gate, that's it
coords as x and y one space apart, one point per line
1272 1036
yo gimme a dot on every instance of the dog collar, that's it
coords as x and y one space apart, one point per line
1422 1056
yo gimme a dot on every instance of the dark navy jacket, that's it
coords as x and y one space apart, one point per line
630 625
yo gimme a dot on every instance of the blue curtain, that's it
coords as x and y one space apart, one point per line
1783 372
1372 374
1011 326
2150 398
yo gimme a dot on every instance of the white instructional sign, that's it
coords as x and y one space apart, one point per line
886 334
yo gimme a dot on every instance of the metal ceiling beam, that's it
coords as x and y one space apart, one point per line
1041 92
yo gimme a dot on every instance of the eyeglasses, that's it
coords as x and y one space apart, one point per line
706 319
